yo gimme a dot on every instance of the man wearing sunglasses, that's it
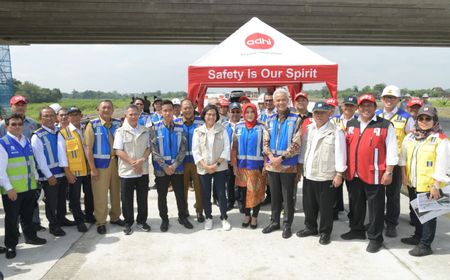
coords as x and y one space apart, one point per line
403 124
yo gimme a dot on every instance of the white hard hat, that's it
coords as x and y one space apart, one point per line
391 91
176 101
56 107
261 98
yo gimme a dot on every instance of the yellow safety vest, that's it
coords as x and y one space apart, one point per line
75 152
399 121
424 153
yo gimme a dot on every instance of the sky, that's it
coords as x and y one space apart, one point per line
144 68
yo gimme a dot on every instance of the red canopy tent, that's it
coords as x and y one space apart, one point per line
257 55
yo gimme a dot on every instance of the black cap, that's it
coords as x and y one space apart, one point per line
427 110
321 106
73 109
352 100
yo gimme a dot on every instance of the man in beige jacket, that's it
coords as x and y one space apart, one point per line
132 146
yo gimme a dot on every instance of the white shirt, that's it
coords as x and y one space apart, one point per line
340 152
409 126
210 135
391 141
442 164
38 151
4 179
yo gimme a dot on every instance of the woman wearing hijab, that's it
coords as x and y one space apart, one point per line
248 162
424 162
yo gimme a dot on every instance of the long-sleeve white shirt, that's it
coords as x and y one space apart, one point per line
409 123
38 151
442 164
4 179
340 152
210 142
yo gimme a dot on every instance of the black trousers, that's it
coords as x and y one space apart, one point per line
374 195
232 192
339 204
55 201
282 190
162 184
75 198
319 198
393 198
23 206
247 211
128 185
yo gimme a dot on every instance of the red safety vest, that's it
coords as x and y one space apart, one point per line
366 152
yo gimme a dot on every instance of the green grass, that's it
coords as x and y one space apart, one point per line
87 106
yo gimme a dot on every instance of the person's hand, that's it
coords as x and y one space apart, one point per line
94 173
434 193
138 166
70 177
210 169
52 181
337 181
275 161
386 179
405 181
168 170
12 195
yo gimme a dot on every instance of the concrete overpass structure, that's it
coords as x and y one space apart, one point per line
321 22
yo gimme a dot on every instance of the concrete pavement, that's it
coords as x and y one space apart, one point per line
217 254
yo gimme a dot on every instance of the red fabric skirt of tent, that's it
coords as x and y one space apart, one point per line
201 78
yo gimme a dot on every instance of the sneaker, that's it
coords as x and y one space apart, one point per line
128 230
208 224
412 240
351 235
374 246
391 232
226 225
144 227
420 251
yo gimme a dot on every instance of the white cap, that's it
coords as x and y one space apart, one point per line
176 101
261 98
425 95
56 107
391 91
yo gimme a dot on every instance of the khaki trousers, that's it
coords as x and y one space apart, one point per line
190 173
108 179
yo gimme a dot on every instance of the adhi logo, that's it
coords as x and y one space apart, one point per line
259 41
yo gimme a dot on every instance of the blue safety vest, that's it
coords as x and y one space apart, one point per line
50 142
168 144
155 118
250 146
102 150
143 118
281 135
189 133
20 165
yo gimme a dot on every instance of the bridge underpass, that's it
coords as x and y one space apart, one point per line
319 22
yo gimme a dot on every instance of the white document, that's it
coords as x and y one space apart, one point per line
443 203
426 216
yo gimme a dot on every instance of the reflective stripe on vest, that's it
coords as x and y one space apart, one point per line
249 146
20 168
189 133
281 135
102 150
75 152
50 143
168 144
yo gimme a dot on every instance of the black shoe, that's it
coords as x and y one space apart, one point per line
101 229
391 232
354 235
412 240
164 226
35 241
67 223
200 218
39 227
2 250
185 222
82 227
128 230
253 226
57 231
10 253
324 239
306 232
118 222
374 246
420 251
144 227
90 219
271 227
287 233
245 225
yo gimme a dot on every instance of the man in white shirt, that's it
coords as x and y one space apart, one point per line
324 158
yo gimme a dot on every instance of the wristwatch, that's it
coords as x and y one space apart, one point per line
283 157
388 173
218 163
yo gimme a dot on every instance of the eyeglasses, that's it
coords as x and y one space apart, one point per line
426 119
15 124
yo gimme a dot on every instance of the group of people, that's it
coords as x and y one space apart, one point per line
231 151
